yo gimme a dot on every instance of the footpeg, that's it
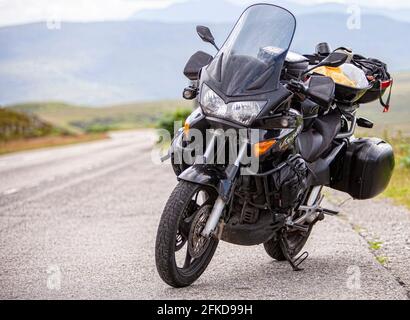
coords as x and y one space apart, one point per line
329 212
297 226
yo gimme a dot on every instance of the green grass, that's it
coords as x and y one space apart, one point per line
167 122
382 260
25 131
399 187
398 118
17 125
375 245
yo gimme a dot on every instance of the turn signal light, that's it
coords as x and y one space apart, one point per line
263 147
186 129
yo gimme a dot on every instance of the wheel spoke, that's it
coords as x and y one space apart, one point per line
188 260
184 226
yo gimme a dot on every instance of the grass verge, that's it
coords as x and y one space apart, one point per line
399 187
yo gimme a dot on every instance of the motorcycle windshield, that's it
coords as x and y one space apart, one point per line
251 59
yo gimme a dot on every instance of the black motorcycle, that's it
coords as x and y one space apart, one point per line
291 131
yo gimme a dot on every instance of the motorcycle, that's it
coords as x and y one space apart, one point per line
291 132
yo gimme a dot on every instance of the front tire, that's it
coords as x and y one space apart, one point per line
181 222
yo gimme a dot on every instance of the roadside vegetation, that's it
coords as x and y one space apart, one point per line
15 125
399 188
168 120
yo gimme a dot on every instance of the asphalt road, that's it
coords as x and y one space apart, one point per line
79 222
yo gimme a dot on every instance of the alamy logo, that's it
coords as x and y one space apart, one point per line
53 21
354 21
54 277
354 279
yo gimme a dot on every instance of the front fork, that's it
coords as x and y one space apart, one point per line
220 203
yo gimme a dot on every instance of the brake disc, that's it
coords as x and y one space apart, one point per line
197 243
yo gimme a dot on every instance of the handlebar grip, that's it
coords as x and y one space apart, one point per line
297 86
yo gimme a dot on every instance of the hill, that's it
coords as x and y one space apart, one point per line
17 125
85 119
26 130
397 119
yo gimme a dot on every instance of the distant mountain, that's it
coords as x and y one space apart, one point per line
219 11
96 63
115 62
80 119
199 11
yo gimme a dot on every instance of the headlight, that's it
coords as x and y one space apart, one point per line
244 111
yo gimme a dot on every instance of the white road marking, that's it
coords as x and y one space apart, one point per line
10 191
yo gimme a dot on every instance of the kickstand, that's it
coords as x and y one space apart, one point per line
295 263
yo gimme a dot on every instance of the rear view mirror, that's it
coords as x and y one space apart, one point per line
198 60
321 90
335 59
206 35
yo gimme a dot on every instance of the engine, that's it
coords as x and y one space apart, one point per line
285 186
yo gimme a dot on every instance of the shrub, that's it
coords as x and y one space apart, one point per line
16 125
98 128
405 162
167 120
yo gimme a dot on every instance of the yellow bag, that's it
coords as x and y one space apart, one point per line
337 75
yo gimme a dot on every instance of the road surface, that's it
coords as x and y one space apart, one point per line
79 222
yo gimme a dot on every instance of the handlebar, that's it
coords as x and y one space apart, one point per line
297 86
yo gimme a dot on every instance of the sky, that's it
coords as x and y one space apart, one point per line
24 11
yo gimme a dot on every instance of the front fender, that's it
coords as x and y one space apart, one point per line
211 176
204 175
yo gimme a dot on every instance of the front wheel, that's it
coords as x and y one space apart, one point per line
181 252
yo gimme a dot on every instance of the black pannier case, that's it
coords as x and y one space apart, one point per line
368 165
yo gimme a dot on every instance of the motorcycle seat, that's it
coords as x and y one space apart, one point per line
314 142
